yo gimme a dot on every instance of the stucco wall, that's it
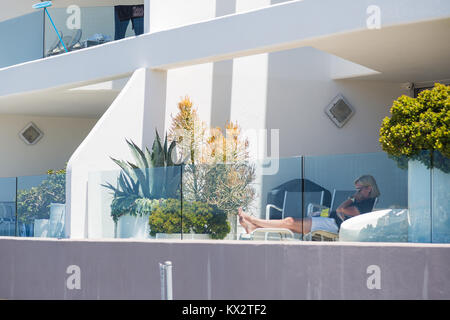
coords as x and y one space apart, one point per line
61 137
39 269
286 91
134 115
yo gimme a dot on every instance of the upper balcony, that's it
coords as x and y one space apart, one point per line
28 34
380 41
29 37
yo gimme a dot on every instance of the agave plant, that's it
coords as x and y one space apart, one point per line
153 175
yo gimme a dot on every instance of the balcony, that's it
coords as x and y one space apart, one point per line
202 201
32 36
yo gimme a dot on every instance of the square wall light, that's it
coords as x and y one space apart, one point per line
31 134
339 111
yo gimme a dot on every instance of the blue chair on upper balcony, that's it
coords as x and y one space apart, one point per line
72 42
54 48
75 41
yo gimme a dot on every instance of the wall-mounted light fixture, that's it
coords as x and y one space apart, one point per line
31 134
339 111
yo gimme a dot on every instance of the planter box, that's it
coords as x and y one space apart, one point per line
429 204
440 209
186 236
133 227
419 202
54 226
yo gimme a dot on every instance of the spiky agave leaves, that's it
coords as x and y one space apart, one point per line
162 154
145 178
166 181
133 178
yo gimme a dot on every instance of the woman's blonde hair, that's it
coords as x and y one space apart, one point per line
368 180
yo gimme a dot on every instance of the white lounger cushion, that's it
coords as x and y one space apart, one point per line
390 225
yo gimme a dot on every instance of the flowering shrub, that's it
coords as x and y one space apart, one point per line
419 129
217 168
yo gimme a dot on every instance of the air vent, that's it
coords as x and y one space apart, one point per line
31 134
339 111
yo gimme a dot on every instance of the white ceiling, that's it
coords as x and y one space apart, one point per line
416 52
82 102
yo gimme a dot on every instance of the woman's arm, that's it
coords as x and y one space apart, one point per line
348 208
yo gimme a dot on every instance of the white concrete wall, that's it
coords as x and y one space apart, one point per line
224 38
285 91
61 137
227 270
134 115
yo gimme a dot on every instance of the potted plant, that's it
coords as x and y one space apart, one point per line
141 185
217 169
34 204
417 137
197 219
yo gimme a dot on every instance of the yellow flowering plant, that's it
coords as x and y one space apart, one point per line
419 129
217 169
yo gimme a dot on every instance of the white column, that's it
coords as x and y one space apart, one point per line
133 115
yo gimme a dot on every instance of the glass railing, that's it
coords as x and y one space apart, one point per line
33 206
197 202
139 203
299 198
22 39
83 27
385 189
295 199
33 36
8 207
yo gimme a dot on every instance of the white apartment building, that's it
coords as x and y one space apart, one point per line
272 66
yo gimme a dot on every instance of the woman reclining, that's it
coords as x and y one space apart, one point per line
361 202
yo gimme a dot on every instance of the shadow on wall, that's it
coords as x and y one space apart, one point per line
290 96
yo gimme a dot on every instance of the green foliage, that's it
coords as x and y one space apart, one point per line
198 217
227 186
153 175
35 203
419 129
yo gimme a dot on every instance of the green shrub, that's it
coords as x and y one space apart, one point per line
34 203
419 129
198 217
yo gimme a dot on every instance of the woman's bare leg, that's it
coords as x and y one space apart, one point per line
295 225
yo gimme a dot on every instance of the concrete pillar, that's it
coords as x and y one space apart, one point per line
134 114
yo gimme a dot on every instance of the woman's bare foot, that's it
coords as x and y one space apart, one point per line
243 215
244 220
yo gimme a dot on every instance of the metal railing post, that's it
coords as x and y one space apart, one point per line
165 272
